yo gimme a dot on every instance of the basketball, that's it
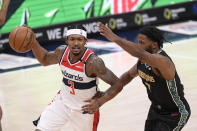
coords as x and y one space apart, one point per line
21 39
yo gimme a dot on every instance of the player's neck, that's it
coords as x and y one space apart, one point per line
155 50
74 58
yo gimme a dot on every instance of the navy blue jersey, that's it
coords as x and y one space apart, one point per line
166 93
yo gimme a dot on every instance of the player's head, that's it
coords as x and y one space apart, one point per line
150 38
76 38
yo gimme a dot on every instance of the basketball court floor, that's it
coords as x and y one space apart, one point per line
25 93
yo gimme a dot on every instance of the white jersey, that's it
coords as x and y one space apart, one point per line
77 86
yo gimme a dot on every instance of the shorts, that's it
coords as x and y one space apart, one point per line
165 121
57 115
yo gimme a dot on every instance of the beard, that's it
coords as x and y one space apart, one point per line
76 51
149 49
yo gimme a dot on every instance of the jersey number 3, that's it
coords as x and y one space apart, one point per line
72 87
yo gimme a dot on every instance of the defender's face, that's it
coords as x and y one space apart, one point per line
76 44
145 43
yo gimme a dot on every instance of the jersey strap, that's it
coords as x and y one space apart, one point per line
65 62
86 55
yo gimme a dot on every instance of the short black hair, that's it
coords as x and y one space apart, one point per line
154 34
77 26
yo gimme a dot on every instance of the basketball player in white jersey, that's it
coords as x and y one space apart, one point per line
80 68
3 13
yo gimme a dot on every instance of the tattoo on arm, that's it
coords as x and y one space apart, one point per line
54 57
45 57
59 52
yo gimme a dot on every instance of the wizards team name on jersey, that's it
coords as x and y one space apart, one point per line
78 78
77 86
76 72
145 76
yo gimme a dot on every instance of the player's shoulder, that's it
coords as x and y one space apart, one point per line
95 65
60 50
95 62
61 47
94 59
162 55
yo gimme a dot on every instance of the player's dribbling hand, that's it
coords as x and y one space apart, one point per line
107 32
28 27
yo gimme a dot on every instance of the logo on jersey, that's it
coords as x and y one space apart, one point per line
147 66
81 67
145 76
75 77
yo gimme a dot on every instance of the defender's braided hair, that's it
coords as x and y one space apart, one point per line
153 34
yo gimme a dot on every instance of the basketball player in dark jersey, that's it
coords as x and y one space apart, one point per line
169 110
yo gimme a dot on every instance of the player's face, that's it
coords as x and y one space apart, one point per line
76 44
145 43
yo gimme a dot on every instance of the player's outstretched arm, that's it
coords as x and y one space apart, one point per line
129 75
164 64
47 58
44 57
96 67
131 47
3 11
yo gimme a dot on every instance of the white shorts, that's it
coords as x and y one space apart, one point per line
57 115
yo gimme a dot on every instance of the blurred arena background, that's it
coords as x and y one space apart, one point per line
26 87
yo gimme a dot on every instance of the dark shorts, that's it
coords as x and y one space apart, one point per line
166 121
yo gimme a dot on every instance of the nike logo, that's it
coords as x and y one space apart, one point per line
81 67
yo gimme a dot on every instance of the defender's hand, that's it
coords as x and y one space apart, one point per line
92 107
98 95
107 32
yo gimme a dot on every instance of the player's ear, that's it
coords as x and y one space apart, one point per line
85 40
154 44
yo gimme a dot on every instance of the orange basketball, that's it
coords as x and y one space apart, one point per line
21 39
